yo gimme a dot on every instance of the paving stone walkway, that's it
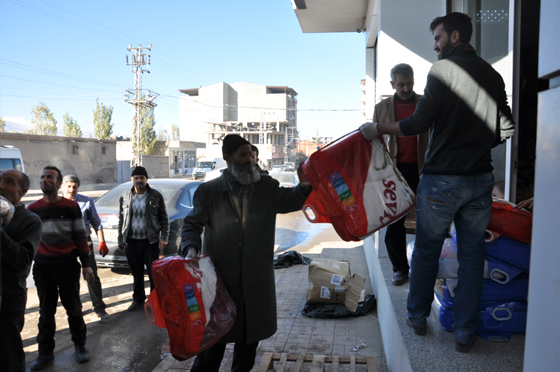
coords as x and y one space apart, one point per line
299 334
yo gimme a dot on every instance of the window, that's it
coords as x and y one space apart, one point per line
75 150
103 151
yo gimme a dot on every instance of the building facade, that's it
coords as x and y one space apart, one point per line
264 115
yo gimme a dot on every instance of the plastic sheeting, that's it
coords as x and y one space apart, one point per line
339 310
290 258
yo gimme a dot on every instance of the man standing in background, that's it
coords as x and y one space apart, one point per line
70 186
407 154
56 270
143 231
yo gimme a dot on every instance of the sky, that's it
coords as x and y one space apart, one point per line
68 53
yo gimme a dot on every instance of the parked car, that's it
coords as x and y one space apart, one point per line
178 195
216 173
278 168
286 179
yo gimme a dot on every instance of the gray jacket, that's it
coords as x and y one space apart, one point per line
242 246
158 222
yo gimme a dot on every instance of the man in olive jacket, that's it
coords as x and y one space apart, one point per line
238 214
407 154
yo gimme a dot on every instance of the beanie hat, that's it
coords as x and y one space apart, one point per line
139 171
232 143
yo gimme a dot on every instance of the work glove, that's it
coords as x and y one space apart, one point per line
103 250
369 131
6 211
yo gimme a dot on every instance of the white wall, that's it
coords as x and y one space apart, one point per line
404 37
541 343
256 106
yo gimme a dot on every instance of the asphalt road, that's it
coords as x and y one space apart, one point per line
128 341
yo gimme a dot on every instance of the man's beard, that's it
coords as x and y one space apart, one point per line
446 48
245 174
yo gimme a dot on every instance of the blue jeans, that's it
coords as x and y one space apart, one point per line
441 199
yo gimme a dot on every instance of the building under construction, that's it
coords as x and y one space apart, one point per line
264 115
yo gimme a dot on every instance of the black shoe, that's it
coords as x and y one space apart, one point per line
82 354
103 315
399 278
136 305
41 361
464 347
420 331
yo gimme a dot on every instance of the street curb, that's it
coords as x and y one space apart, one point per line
166 364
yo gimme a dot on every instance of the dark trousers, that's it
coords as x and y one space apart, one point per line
51 281
94 288
12 357
210 359
140 253
395 237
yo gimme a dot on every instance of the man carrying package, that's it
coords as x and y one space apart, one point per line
238 215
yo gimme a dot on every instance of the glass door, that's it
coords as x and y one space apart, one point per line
493 40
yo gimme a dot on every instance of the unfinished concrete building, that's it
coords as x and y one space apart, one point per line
264 115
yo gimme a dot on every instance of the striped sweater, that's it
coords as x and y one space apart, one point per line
64 235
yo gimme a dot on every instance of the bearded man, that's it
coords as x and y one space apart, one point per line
238 215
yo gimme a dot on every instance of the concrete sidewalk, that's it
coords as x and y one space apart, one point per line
300 334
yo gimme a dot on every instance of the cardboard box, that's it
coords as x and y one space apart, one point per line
331 282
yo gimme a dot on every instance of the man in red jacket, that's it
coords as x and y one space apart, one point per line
56 270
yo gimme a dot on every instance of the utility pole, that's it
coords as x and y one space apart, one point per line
136 98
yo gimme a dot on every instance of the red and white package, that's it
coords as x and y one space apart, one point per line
192 303
509 221
356 187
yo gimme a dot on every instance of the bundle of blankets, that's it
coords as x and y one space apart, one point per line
192 303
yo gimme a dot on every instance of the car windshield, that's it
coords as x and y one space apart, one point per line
111 198
205 164
285 178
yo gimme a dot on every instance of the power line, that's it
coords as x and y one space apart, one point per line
89 20
57 85
101 33
54 73
258 108
62 19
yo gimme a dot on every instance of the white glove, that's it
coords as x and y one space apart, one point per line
6 211
369 131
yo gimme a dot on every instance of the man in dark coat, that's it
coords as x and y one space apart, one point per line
238 214
19 242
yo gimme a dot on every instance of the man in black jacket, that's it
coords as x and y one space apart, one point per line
19 242
143 231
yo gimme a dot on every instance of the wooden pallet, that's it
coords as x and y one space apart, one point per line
318 362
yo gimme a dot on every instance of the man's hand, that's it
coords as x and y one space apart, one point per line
369 131
103 250
526 204
303 181
87 272
6 211
122 246
193 256
162 244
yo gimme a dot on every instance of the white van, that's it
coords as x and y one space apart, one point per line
205 165
10 158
